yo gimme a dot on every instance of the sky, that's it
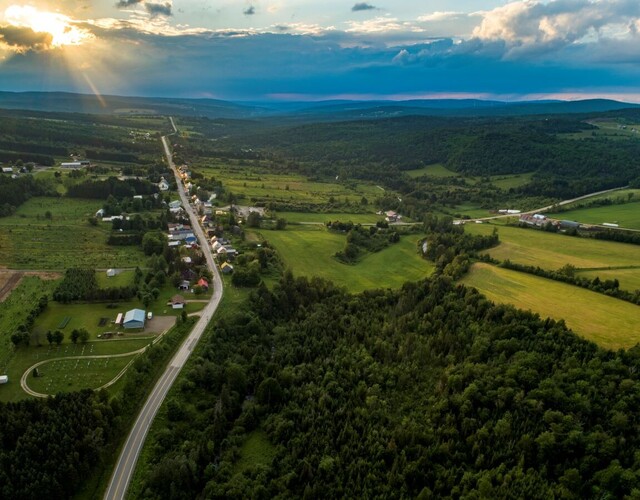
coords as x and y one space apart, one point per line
256 50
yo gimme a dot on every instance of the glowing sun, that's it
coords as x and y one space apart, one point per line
59 26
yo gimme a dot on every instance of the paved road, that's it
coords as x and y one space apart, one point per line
131 449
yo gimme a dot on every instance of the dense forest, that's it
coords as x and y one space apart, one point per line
427 391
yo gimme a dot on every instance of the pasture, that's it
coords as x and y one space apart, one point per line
435 170
309 250
360 218
626 215
29 239
255 184
609 322
629 278
552 251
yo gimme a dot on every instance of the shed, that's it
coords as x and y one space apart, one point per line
119 319
4 379
134 318
111 272
185 285
177 302
226 268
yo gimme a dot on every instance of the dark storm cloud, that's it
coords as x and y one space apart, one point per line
24 39
360 6
127 3
158 9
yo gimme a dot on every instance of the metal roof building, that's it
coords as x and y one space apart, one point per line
134 319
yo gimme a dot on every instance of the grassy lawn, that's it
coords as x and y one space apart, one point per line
26 357
256 450
309 251
370 218
123 278
552 251
626 215
68 375
609 322
28 240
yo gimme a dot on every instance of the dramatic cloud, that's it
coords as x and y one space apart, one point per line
250 11
158 9
122 4
21 39
362 6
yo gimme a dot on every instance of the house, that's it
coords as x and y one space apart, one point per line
186 260
190 240
175 204
569 224
163 185
216 245
392 216
134 318
111 273
173 244
7 170
100 213
184 285
177 302
189 275
226 268
203 283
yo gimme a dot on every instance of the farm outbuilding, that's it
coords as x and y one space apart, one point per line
134 318
226 268
4 379
111 272
177 302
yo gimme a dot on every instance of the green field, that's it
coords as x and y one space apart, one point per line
629 278
435 170
26 357
256 184
370 218
74 374
28 240
552 251
123 278
609 322
626 215
256 450
309 250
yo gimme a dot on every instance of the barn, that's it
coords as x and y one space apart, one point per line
134 319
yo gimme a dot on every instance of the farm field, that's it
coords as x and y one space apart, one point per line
28 240
308 251
626 215
26 357
629 278
552 251
609 322
369 218
254 184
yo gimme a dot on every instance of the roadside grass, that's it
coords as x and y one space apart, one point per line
67 375
28 240
309 250
296 217
255 451
233 301
609 322
25 357
552 251
626 215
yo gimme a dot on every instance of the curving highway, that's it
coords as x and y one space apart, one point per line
129 455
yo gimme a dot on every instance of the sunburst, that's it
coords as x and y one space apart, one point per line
61 28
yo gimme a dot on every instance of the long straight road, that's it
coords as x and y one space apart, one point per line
129 455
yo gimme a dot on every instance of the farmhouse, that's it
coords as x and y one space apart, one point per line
392 216
134 318
177 302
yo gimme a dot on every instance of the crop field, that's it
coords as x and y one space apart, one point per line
253 183
552 251
308 251
26 357
30 240
607 321
626 215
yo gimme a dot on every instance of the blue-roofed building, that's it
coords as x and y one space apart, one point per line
134 319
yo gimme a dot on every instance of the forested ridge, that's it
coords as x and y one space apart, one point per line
427 391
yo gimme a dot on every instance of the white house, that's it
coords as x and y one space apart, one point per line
163 185
177 302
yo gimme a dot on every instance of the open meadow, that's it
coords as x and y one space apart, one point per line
309 250
552 251
360 218
609 322
30 239
627 215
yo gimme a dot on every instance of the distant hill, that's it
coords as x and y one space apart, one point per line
303 111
